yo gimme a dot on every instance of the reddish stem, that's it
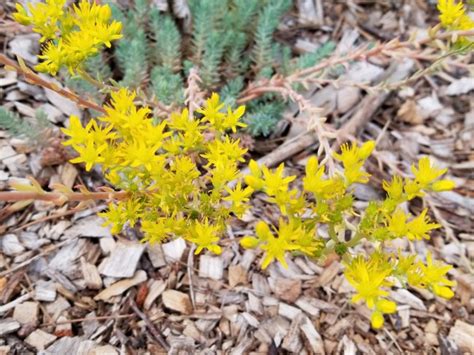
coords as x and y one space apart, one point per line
54 196
34 78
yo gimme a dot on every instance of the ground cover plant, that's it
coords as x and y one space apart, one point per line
176 169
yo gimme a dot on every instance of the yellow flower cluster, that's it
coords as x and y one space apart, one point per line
178 175
181 177
326 205
452 15
177 172
372 276
69 35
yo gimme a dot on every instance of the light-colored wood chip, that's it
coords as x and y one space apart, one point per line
65 345
211 267
403 296
404 313
56 308
103 350
11 246
292 341
348 346
287 290
237 275
287 311
156 255
91 227
174 249
6 152
66 260
177 301
156 289
26 313
68 174
64 328
8 325
45 291
123 260
91 275
85 347
463 335
312 336
121 286
329 273
10 305
65 105
39 339
312 306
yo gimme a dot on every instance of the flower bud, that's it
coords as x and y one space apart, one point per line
443 185
249 242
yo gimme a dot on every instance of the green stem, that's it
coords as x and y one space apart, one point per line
354 241
332 233
87 77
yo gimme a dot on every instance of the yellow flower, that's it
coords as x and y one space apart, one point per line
418 228
89 154
72 34
425 174
275 248
450 11
368 277
114 217
274 181
232 119
351 154
53 58
212 111
249 242
394 188
443 185
156 230
205 236
239 197
382 307
452 15
222 173
413 189
353 158
397 223
120 213
432 276
44 17
354 174
227 149
291 236
78 134
314 180
254 178
138 153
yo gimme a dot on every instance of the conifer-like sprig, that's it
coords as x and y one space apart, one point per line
268 20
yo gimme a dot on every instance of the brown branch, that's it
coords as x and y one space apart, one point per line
156 335
389 49
34 78
55 196
80 320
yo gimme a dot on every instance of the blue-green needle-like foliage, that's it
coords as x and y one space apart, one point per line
231 43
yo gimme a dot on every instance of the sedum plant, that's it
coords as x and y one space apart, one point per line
69 34
181 176
155 54
175 173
